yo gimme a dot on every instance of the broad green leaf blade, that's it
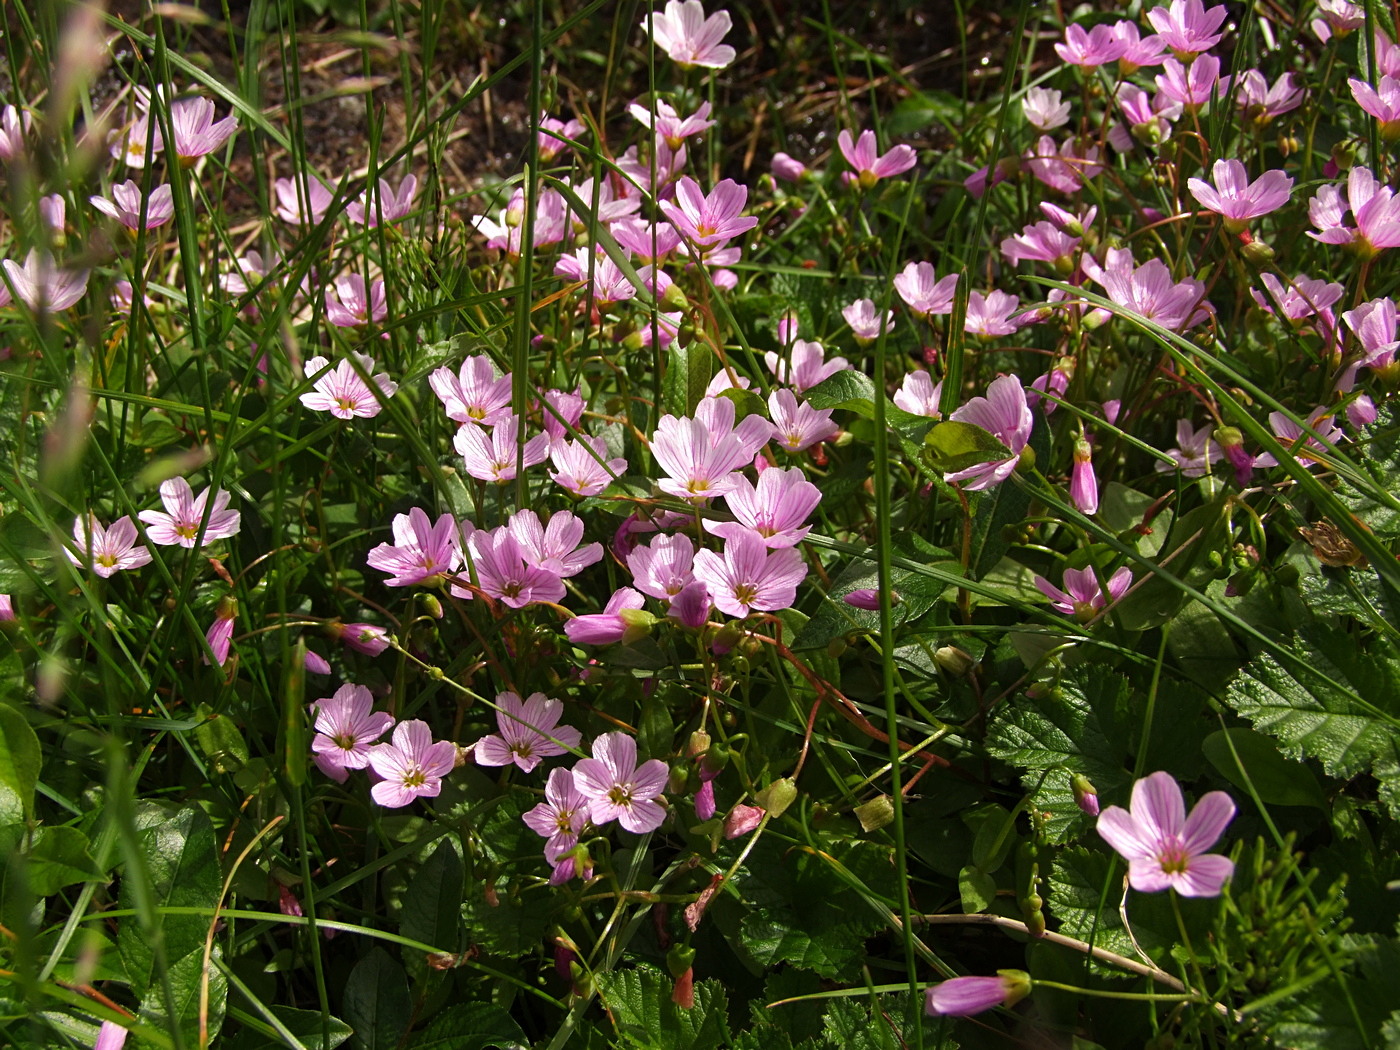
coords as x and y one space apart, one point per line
19 766
432 904
471 1026
955 446
1247 758
377 1005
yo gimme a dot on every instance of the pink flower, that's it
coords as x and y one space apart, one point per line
343 392
1374 323
1064 168
776 509
990 316
529 732
1195 451
748 576
965 996
920 395
796 424
612 624
364 638
388 205
554 548
503 572
1088 50
922 292
1192 86
196 133
7 608
1043 109
649 242
1187 26
180 523
1298 441
412 766
422 552
127 202
42 286
562 816
220 633
1083 484
1082 597
617 788
805 365
1005 414
110 1036
787 168
556 136
1042 242
1373 206
1300 299
741 820
1147 118
107 550
700 454
583 467
132 145
708 221
607 283
1165 848
670 127
688 37
663 568
1261 102
1238 199
496 456
865 320
15 124
1148 290
351 305
476 394
345 729
1381 102
301 202
1137 51
869 168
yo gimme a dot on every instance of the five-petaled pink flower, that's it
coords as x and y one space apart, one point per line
383 204
108 550
126 203
422 551
412 766
1004 414
1236 198
529 731
748 576
346 727
707 221
691 39
617 788
343 392
1165 848
1188 27
179 523
868 166
1082 597
196 132
562 816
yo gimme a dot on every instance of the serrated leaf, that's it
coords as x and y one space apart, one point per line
516 922
640 999
377 1005
1344 715
1375 504
830 951
1247 758
432 904
470 1026
20 758
954 446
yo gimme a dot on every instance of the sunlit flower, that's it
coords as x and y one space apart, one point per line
495 455
179 523
1236 198
351 304
609 626
583 467
42 286
343 392
412 766
1165 848
422 551
867 166
965 996
1043 109
776 509
1005 414
301 202
1381 102
1188 27
749 577
796 424
107 550
383 204
920 395
15 124
1082 597
476 394
346 727
196 132
922 291
127 202
707 221
688 37
529 731
617 788
562 816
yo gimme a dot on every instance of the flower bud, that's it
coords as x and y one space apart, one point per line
777 796
875 814
1086 796
1257 254
953 660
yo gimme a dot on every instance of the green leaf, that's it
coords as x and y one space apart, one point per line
515 919
1375 504
1344 710
377 1005
977 889
993 835
688 371
470 1026
954 446
1245 757
57 858
1194 537
19 766
846 389
640 1000
221 741
432 904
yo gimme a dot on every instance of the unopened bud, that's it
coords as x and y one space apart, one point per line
777 796
636 625
1257 254
1086 796
674 298
875 814
953 660
698 743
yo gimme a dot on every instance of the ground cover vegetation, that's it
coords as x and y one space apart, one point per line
816 538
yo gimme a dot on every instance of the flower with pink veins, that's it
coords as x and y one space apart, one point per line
1064 168
749 577
1374 323
106 550
701 454
1195 451
126 204
362 637
301 202
555 136
1300 298
709 221
920 395
1381 102
554 547
865 320
350 306
42 286
1082 597
196 132
1299 441
922 291
1339 15
619 617
388 205
1043 109
1137 51
583 467
1089 49
1147 119
617 788
179 524
346 727
1260 102
503 571
476 394
1042 242
776 509
1005 415
343 392
805 365
1165 848
688 37
1191 87
220 633
649 242
1387 56
669 126
601 204
529 731
867 166
1237 199
15 124
796 424
1149 291
1374 207
423 551
990 316
607 283
496 456
664 567
1188 27
412 766
1083 483
562 816
966 996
